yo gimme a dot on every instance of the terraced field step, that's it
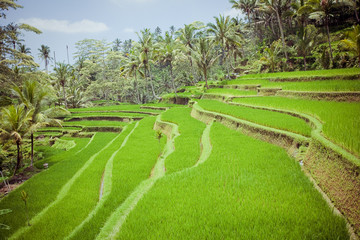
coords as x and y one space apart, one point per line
104 118
117 111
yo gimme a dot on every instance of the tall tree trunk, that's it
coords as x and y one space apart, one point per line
304 57
356 12
282 34
32 149
192 69
172 79
151 84
18 160
64 95
206 80
328 35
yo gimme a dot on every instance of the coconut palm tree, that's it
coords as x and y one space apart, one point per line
62 72
223 31
32 96
24 49
247 6
352 41
277 7
306 41
169 50
131 69
45 55
187 36
204 56
321 11
15 123
147 48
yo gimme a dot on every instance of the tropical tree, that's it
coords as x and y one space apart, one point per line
188 37
169 50
62 72
277 7
306 40
146 49
247 6
270 55
45 55
32 96
15 123
223 32
204 57
24 49
321 11
352 41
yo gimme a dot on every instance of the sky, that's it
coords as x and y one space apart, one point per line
65 22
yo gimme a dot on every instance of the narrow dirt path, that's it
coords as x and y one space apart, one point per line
106 185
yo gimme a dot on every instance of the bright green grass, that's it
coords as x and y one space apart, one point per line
64 128
95 123
162 104
80 199
232 92
298 74
341 120
114 108
187 145
101 114
324 85
44 187
48 133
132 165
267 118
247 189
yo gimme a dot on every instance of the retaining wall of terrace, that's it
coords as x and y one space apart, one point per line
289 141
329 96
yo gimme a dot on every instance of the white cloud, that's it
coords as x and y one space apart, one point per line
234 13
129 30
64 26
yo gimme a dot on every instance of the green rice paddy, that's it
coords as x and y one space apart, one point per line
216 183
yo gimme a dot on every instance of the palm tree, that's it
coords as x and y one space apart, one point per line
24 49
187 36
45 54
271 55
62 72
321 11
277 7
147 49
223 32
306 41
32 96
131 69
15 123
352 41
167 54
204 56
247 6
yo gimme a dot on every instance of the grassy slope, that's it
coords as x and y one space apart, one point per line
247 189
114 108
132 165
44 187
321 86
330 72
112 114
341 120
79 200
95 123
263 117
187 145
232 92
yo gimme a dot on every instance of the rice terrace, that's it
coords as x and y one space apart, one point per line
247 127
